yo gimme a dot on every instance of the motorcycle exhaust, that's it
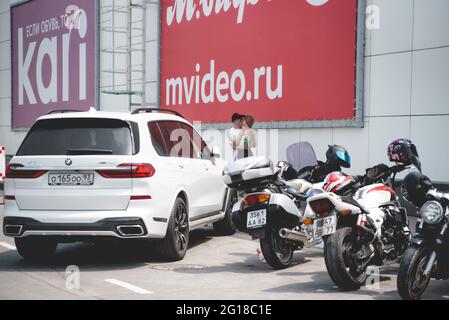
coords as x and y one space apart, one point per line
293 235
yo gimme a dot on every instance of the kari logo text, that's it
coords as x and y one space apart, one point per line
39 46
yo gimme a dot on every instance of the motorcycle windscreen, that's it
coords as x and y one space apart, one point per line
301 155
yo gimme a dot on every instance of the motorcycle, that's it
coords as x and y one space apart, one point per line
272 200
361 220
428 254
303 164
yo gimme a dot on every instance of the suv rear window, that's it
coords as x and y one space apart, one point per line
81 136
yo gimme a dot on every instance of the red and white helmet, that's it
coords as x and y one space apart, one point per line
337 182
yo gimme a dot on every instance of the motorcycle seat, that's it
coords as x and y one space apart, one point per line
298 195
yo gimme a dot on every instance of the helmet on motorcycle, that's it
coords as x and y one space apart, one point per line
404 151
338 155
337 182
415 187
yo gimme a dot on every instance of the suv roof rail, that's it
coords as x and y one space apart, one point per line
64 111
151 110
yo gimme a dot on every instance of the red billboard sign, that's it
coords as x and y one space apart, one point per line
53 58
279 60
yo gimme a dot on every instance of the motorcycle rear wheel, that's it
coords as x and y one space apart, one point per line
338 250
277 252
411 282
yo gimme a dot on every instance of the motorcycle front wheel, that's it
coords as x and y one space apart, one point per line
411 281
341 264
277 252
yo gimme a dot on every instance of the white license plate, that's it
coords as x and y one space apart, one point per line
71 179
325 226
257 219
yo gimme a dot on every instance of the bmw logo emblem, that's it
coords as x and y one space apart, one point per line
68 162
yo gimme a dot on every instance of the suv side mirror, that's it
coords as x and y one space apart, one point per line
215 153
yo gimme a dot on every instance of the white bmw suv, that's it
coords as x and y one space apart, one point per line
89 175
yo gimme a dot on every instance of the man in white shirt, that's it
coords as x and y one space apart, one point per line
234 134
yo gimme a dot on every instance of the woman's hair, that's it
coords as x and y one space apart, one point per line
249 121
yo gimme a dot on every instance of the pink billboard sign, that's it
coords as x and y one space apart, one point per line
284 60
53 58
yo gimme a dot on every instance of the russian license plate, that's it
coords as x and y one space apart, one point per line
324 227
257 219
71 179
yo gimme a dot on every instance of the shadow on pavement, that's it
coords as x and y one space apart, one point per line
104 255
437 289
250 264
321 283
129 255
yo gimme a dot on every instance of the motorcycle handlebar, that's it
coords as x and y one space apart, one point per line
397 168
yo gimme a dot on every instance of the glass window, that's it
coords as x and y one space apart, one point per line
157 139
176 139
78 136
199 147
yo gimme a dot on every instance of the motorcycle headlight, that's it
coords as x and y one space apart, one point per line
432 212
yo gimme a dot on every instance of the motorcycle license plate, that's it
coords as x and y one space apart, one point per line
325 226
257 219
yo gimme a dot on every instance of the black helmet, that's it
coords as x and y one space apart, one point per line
338 155
404 151
415 188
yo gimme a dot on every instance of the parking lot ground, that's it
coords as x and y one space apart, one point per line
214 268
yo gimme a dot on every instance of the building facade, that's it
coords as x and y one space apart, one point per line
405 84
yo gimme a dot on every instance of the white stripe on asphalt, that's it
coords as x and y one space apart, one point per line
7 246
128 286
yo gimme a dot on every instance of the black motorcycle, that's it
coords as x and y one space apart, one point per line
427 256
303 164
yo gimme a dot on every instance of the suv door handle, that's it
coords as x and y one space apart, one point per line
181 166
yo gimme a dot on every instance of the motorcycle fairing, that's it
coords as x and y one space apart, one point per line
301 155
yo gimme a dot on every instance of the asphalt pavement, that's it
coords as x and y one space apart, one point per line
214 268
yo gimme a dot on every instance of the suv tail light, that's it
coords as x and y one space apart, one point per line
128 170
323 207
16 171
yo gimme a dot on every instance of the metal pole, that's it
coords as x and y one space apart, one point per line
144 55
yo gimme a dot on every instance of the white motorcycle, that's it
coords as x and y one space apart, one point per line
363 225
271 201
360 218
